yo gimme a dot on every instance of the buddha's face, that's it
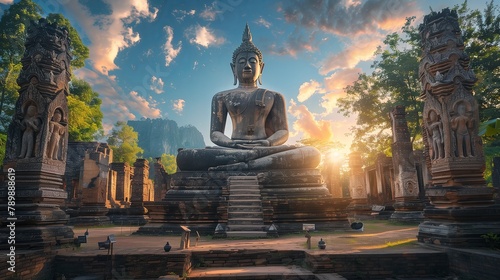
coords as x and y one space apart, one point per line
247 68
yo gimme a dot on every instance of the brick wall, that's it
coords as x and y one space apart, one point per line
484 264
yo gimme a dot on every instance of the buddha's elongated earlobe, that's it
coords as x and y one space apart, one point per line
233 68
260 79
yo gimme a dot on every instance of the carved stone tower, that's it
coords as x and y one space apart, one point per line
461 208
406 191
37 138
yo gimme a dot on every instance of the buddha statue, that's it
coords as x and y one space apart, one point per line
259 121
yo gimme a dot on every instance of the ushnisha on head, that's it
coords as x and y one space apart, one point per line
247 63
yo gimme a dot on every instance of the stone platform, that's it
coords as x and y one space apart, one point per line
290 198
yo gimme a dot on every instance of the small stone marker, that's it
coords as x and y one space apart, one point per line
308 236
185 238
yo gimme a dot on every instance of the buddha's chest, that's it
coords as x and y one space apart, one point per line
249 104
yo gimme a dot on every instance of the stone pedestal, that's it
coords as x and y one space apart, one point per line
37 140
141 188
462 207
290 198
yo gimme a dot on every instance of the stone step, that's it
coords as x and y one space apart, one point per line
246 227
244 196
239 215
245 221
243 189
252 272
247 234
245 202
244 208
243 178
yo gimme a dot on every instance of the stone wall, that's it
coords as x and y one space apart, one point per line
383 266
482 264
143 266
237 258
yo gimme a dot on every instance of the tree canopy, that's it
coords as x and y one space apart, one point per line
13 27
84 112
124 143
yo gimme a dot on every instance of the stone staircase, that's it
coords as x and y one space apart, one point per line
245 218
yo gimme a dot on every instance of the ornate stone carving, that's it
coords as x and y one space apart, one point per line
37 139
462 207
408 207
38 132
450 114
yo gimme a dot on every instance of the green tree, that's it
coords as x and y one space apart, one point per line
13 26
124 143
85 113
169 163
394 81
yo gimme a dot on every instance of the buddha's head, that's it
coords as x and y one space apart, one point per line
247 64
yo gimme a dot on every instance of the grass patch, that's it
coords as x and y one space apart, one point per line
401 242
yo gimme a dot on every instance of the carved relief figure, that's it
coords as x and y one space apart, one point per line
435 129
29 125
461 124
56 130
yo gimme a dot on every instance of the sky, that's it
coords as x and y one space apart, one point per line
166 59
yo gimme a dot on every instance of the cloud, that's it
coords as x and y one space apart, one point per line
110 33
181 14
144 107
307 89
341 79
348 18
362 49
209 13
170 51
195 65
116 105
203 36
263 22
307 123
335 85
156 85
6 2
294 44
178 105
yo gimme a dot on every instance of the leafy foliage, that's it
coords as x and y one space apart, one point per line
169 162
13 26
84 112
124 143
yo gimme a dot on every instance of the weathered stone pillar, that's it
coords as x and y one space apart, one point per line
408 205
332 177
462 207
357 187
137 213
37 141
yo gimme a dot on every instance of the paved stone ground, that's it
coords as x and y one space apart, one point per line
378 236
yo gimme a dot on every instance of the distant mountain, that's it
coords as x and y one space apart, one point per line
159 136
